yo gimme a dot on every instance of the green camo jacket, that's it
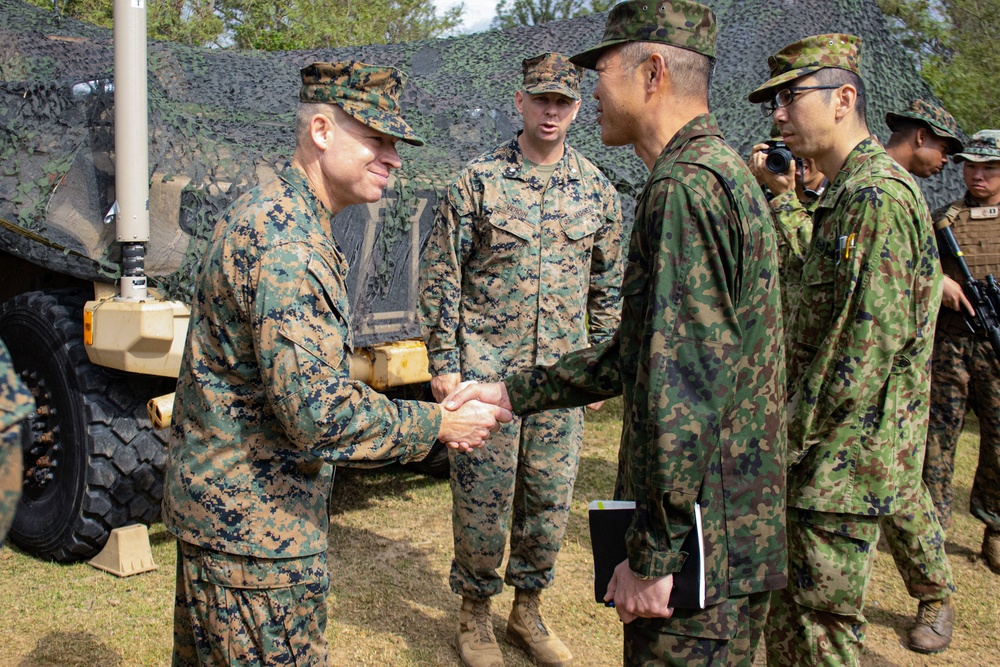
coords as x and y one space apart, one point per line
507 278
265 403
699 360
859 375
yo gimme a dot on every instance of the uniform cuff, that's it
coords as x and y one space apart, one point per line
444 362
420 424
652 564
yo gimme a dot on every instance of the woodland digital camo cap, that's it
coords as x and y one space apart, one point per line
984 146
936 118
809 55
368 93
681 23
551 73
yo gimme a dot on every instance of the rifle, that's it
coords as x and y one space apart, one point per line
984 296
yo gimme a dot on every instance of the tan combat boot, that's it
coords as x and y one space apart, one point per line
991 549
525 628
477 645
932 632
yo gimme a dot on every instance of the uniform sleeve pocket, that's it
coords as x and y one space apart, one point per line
318 321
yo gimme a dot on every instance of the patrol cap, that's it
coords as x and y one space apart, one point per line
937 119
984 146
369 93
682 23
551 73
809 55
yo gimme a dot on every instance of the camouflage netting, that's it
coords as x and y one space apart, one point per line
221 120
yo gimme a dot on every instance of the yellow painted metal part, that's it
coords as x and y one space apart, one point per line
136 336
391 365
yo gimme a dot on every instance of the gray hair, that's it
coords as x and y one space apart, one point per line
690 72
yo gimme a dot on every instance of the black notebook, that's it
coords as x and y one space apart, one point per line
608 521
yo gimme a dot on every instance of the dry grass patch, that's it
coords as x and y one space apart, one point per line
390 602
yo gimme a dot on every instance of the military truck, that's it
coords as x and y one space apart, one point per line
118 157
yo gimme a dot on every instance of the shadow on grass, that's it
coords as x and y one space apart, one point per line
358 488
70 649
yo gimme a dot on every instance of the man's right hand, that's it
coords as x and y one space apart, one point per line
442 385
776 183
494 393
468 426
954 298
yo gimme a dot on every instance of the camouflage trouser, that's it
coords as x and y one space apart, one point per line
818 619
724 634
237 610
529 467
915 538
966 375
11 476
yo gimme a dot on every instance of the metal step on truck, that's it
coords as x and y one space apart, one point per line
119 154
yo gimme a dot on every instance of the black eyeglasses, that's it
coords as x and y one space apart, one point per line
786 96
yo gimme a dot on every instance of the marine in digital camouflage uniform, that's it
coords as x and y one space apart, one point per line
966 372
524 255
265 405
698 355
923 135
859 371
16 403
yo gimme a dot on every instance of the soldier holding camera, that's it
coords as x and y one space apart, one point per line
793 186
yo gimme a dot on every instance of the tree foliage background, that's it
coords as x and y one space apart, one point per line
957 47
513 13
275 25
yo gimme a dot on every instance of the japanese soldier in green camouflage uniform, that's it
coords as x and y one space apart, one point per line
698 355
265 404
525 252
16 403
966 371
859 373
923 135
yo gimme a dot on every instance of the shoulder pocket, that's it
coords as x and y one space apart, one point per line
319 322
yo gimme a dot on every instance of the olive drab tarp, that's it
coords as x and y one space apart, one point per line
221 120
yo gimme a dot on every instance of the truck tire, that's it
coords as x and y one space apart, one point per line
92 460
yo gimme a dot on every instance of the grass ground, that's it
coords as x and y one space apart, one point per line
390 603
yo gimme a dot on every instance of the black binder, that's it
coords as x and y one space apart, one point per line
608 521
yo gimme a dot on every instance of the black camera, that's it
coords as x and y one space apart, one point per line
779 158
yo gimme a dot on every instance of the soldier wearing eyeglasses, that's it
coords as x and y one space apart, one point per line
859 369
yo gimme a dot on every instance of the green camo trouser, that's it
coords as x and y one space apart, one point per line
234 610
726 634
818 619
915 537
527 469
965 375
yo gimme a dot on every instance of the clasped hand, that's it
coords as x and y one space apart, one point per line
471 412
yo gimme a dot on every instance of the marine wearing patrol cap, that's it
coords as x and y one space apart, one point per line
807 56
984 146
551 73
937 119
681 23
368 93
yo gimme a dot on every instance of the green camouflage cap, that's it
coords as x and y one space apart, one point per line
984 146
368 93
688 25
809 55
936 118
551 73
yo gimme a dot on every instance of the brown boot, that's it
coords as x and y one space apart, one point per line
525 628
932 632
991 549
477 645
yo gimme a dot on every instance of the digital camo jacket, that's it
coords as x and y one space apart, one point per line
699 359
16 403
859 375
507 277
264 401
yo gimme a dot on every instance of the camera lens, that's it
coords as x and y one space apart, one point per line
778 159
